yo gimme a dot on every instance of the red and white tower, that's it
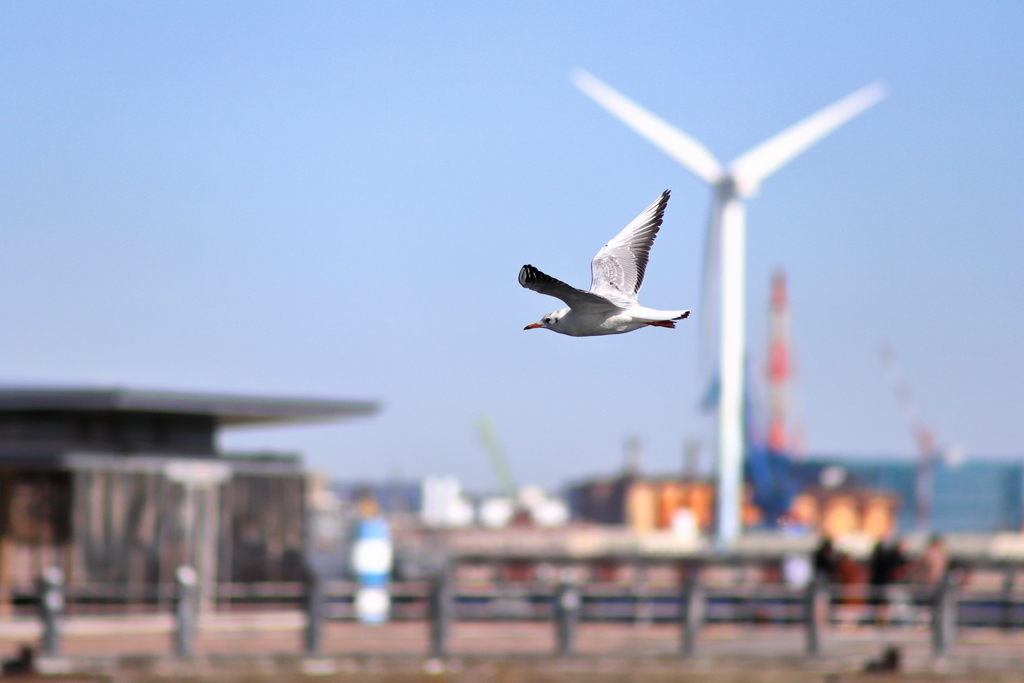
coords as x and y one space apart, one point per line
779 367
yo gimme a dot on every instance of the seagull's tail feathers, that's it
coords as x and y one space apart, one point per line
649 316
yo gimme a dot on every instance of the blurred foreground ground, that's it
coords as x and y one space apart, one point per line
267 647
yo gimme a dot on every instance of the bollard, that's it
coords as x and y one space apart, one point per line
314 612
1009 577
440 610
816 609
944 609
566 608
691 613
185 611
51 607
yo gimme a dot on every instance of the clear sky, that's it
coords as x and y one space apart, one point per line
335 199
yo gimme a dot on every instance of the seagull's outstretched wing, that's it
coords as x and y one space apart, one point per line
618 269
531 278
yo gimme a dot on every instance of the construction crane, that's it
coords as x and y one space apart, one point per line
924 438
499 463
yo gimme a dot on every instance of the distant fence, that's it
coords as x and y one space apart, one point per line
608 601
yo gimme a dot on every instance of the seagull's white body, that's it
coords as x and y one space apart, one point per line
617 272
590 322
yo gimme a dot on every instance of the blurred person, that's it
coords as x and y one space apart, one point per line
886 565
901 599
850 573
825 561
899 563
934 562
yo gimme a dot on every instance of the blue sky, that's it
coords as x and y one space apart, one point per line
335 199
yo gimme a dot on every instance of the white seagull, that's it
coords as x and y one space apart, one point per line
611 306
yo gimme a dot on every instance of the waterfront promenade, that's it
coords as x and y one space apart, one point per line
272 642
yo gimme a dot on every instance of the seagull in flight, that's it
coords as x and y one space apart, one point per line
611 306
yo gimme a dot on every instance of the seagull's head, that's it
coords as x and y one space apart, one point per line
548 321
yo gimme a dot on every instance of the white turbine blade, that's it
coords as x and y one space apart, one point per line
658 132
753 167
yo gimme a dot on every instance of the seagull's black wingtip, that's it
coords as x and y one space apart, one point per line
527 274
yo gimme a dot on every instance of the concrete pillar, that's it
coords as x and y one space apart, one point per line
1009 578
314 603
567 604
691 613
440 608
185 611
944 614
51 608
816 614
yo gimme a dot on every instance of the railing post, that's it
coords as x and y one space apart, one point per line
816 613
314 600
185 610
1009 577
566 610
691 613
51 608
944 615
440 608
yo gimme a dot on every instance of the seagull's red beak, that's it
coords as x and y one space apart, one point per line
533 326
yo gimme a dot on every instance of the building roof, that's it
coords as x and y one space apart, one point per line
226 410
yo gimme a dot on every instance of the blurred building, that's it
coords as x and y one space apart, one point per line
983 495
444 504
643 503
392 496
120 486
835 495
656 503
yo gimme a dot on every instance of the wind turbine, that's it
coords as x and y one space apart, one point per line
726 243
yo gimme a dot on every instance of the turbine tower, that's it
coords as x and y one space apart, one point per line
726 248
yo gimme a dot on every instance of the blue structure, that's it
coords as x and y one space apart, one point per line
774 484
769 471
978 495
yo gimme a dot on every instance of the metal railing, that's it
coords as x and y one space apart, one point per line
445 600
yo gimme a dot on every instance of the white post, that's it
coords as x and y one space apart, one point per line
731 362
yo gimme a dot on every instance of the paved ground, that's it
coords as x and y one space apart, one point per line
259 643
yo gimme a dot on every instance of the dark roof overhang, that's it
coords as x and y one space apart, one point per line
225 409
